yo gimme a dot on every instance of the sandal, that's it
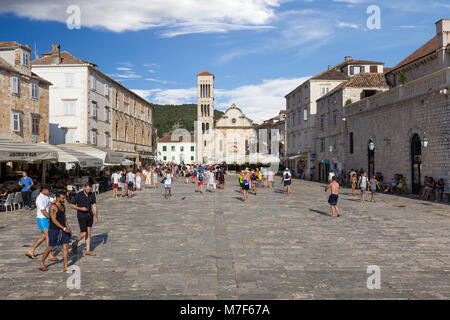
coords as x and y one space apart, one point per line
43 269
31 256
54 259
90 253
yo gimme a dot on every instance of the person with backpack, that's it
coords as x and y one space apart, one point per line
200 177
286 180
123 182
195 175
131 182
362 185
245 184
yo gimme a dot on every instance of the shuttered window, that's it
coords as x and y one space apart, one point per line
15 85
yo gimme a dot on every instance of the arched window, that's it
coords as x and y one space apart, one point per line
207 126
203 127
126 132
208 110
117 131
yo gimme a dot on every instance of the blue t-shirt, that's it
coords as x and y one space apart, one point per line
26 183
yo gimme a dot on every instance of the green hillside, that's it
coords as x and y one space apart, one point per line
168 117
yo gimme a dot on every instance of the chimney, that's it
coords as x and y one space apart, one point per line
443 35
56 54
329 67
348 58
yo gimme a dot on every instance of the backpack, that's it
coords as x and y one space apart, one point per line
123 178
286 176
200 177
245 182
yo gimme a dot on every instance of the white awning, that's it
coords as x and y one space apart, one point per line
69 154
17 151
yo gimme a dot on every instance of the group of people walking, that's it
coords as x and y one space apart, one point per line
54 226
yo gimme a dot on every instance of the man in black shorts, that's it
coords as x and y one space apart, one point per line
85 204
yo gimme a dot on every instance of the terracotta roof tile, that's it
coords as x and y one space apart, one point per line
168 138
361 80
367 80
205 73
428 48
66 58
7 44
5 65
331 74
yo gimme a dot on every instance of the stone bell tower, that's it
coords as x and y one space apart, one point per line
205 115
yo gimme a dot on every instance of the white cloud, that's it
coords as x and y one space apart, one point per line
160 81
347 25
126 76
259 101
123 69
175 17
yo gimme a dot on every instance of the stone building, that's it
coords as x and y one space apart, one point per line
24 97
233 136
331 129
406 130
301 109
275 133
227 140
88 107
177 149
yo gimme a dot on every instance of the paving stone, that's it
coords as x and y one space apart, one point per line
214 246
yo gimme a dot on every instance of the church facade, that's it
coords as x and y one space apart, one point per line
231 138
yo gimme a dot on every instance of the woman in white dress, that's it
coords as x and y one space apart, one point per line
138 181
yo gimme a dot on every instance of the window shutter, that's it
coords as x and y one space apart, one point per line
362 69
15 85
352 70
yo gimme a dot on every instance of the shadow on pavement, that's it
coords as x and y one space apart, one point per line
320 212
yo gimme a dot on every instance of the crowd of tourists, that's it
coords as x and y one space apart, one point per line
55 230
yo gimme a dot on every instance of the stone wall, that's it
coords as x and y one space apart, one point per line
24 104
392 127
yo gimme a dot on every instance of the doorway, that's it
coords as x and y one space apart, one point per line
416 164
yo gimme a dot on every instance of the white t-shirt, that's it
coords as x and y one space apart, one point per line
42 203
286 176
115 178
211 177
130 177
363 182
168 179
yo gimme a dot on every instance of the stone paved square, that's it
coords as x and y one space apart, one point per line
214 246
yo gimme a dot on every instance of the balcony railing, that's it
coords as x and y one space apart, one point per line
432 82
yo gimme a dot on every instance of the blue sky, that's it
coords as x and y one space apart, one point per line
259 50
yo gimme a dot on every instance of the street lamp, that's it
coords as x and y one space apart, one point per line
371 145
425 141
330 148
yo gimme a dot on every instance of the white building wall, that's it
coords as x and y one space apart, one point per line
72 127
177 155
